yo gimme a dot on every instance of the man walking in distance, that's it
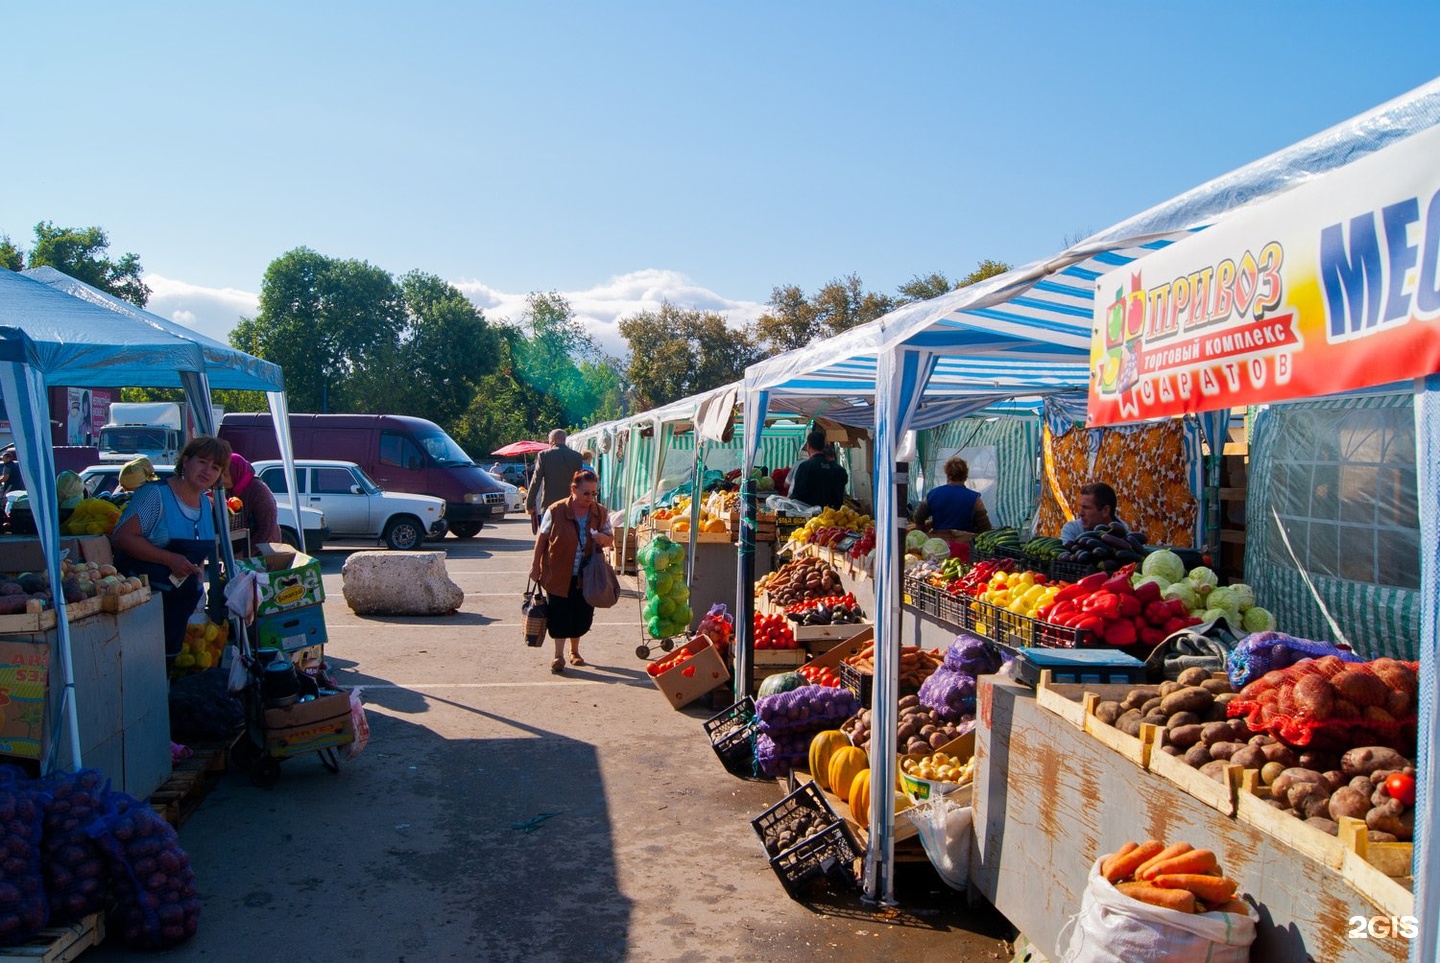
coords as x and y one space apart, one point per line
555 467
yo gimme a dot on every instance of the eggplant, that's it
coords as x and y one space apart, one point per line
1137 537
1128 556
1084 557
1116 542
1102 553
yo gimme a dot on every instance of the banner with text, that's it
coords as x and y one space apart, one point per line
1330 287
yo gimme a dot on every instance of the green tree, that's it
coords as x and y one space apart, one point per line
795 320
606 384
83 254
334 326
924 288
676 352
11 257
546 362
985 269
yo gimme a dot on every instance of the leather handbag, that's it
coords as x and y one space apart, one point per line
598 582
536 614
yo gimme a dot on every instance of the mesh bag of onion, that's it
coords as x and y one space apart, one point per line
1328 703
76 882
777 755
156 906
22 889
805 710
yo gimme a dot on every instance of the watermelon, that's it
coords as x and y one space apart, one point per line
782 682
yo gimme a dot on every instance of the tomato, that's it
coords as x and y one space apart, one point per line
1402 787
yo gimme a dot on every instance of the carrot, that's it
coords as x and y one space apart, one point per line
1124 866
1176 899
1167 852
1194 861
1206 888
1109 861
1230 906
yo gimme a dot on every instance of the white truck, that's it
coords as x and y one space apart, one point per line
154 429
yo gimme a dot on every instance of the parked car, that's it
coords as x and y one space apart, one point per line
511 471
401 453
105 478
514 498
355 506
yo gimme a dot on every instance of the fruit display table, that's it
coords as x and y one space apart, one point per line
121 692
1050 800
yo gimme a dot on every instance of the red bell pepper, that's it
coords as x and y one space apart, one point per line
1119 583
1104 604
1086 586
1178 609
1151 636
1130 606
1089 623
1157 613
1147 592
1175 625
1119 633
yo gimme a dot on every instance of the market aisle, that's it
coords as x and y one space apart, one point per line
504 813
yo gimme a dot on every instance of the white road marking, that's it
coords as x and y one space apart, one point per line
489 685
491 625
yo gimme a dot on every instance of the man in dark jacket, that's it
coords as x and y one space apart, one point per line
818 480
555 468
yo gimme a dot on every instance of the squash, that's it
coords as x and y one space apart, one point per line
781 682
822 747
846 763
860 799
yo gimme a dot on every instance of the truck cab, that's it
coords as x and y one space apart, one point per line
155 430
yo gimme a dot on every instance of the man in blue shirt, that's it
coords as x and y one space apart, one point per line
1097 507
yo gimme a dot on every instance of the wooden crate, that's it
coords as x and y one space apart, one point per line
1220 796
59 944
33 619
1379 870
123 603
1073 701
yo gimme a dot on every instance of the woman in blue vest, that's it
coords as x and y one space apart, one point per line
168 530
952 506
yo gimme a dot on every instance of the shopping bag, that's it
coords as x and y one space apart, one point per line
535 613
598 582
1113 928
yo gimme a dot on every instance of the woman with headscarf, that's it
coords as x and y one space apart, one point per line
167 531
257 502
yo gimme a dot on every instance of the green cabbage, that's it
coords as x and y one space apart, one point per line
935 549
1257 619
1244 596
1222 598
1210 615
911 561
1203 580
1185 592
1165 564
915 539
1159 580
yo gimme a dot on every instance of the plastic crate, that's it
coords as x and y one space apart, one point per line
860 683
1014 630
769 824
1050 636
732 735
829 855
984 620
953 608
1072 571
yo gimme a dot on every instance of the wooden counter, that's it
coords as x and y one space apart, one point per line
1050 799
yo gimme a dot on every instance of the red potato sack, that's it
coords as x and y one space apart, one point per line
1328 703
76 879
22 889
155 902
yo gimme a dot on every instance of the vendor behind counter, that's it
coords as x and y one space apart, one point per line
953 507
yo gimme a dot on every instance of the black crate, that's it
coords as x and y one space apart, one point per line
732 735
953 609
984 620
860 683
1072 571
1014 630
769 824
1049 636
830 855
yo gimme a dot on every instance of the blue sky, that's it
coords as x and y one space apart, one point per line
622 153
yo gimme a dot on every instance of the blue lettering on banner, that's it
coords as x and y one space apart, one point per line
1351 277
1364 276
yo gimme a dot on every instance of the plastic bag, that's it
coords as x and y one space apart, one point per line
1328 703
360 724
76 881
155 901
202 708
1261 652
805 710
946 831
1113 928
23 910
972 654
949 694
781 505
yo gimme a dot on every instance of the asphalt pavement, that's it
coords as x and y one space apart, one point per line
501 812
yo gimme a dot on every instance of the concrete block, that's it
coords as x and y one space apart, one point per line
399 583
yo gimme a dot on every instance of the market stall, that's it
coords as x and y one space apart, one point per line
55 331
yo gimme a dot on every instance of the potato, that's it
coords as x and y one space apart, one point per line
1189 699
1183 736
1316 759
1239 729
1291 777
1217 686
909 702
1213 732
1138 697
1182 719
939 738
1324 825
1193 676
1224 750
1367 759
1150 705
1215 769
1382 819
1223 699
1309 799
1250 757
1346 801
1196 756
1155 717
1332 779
1375 836
1270 772
1129 722
905 733
1171 750
1261 739
1108 712
1279 752
1362 784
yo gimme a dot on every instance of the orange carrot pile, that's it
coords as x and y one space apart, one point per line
1178 877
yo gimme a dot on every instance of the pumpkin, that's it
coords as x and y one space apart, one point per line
846 763
822 747
781 682
860 799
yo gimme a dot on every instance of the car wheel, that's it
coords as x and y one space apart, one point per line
403 534
289 537
465 529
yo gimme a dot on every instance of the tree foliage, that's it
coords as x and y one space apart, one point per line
795 320
82 253
676 352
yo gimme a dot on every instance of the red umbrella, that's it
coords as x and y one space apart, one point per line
521 448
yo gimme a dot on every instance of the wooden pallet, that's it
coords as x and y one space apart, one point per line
190 781
59 944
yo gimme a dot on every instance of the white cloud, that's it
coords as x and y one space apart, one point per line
216 311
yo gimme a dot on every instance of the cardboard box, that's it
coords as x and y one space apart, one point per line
322 723
95 548
22 553
24 685
292 629
690 679
770 661
291 579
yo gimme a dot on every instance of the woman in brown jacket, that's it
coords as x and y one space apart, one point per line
570 531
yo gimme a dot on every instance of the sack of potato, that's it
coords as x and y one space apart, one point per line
1152 903
1330 703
